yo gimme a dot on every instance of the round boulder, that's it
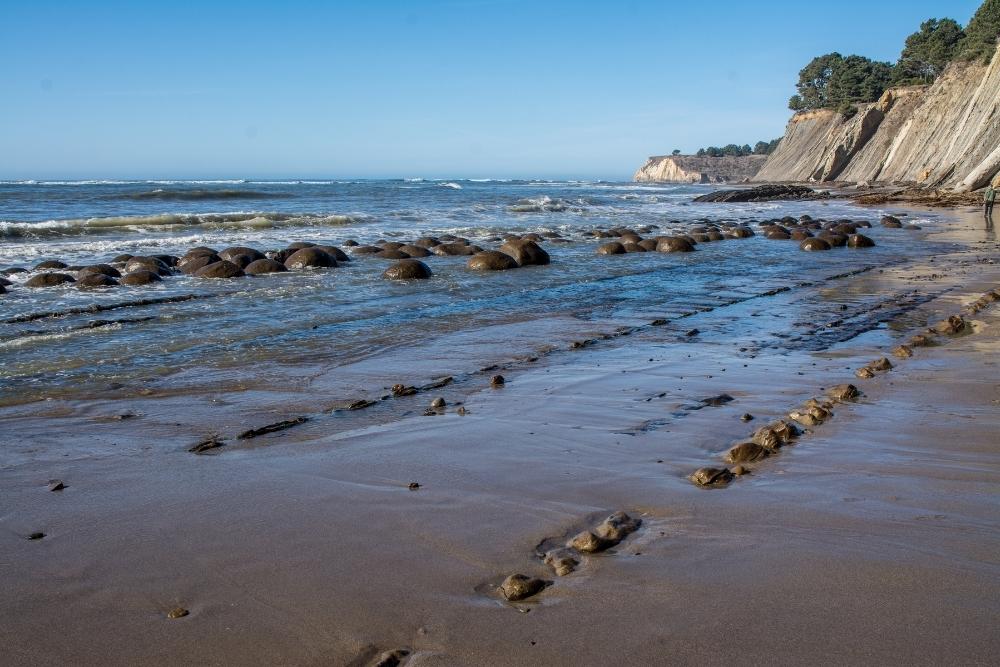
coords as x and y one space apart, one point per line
262 266
140 277
407 269
50 279
673 244
229 253
414 250
612 248
105 269
147 264
192 264
891 221
221 269
49 265
310 258
859 241
96 280
813 244
491 260
525 252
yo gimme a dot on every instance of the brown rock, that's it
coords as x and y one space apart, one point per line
407 269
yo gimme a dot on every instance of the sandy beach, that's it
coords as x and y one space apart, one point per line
871 540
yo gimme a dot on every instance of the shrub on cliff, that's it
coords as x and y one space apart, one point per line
928 51
833 81
980 41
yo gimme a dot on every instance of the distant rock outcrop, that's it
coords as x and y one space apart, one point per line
946 136
694 169
763 193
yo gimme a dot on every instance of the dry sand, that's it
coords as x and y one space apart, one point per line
875 540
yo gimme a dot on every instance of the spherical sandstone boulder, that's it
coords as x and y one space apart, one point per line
859 241
261 266
612 248
229 253
140 277
105 269
50 279
50 264
491 260
407 269
192 264
891 221
525 252
673 244
148 264
221 269
96 280
814 244
414 250
310 258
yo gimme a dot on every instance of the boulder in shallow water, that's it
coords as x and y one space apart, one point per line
815 244
407 269
49 265
308 258
105 269
673 244
262 266
491 260
241 251
191 265
96 280
334 252
612 248
140 277
891 221
147 264
221 269
859 241
50 279
525 252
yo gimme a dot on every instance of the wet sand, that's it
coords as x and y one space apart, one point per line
872 540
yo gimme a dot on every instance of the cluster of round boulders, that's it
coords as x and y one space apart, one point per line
202 262
815 235
682 240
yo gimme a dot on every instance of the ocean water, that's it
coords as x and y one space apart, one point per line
54 344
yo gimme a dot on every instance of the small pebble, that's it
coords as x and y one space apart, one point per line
414 486
36 536
497 381
747 417
177 612
438 402
56 485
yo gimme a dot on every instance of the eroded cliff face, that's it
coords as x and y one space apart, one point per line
694 169
946 135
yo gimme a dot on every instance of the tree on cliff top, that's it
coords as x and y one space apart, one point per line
928 51
835 82
980 41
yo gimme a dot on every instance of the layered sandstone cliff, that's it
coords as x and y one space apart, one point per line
946 135
694 169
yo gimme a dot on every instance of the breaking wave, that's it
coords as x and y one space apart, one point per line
200 195
182 222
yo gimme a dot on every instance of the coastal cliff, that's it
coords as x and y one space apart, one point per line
945 136
695 169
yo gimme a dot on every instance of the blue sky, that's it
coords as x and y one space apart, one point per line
445 88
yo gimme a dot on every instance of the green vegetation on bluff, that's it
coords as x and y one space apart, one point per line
833 81
732 150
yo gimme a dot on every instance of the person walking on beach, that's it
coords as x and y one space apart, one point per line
989 197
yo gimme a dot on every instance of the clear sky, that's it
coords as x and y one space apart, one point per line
441 88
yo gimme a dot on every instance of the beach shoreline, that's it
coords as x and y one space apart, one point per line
871 540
